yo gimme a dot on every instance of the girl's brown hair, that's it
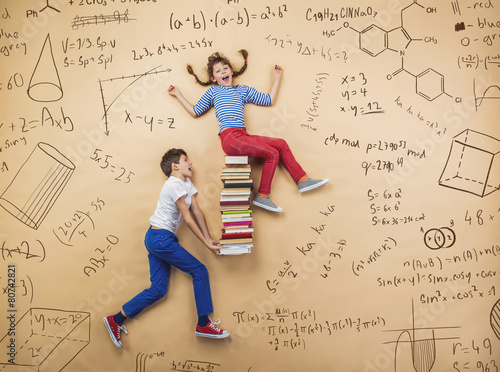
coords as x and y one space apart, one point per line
214 59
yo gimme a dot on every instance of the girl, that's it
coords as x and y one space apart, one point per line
229 102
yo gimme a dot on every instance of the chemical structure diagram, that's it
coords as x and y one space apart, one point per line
374 40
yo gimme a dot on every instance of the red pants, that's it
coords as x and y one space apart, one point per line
236 141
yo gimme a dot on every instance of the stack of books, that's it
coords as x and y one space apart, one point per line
237 227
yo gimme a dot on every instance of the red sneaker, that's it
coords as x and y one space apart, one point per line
114 330
211 330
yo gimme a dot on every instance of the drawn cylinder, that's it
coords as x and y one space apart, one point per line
37 185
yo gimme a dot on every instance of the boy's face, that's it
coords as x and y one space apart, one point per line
184 167
222 74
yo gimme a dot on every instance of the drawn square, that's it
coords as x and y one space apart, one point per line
473 165
45 340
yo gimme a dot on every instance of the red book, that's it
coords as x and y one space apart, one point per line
236 235
224 203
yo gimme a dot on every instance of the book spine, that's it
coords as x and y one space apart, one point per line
235 202
236 175
242 223
236 235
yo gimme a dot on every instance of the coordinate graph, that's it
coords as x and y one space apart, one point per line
126 92
422 344
490 94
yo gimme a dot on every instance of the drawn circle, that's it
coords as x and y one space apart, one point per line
495 319
439 238
434 239
45 92
449 238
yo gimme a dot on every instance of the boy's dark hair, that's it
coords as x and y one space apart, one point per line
171 156
214 59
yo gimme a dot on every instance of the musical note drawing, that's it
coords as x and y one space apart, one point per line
45 85
37 185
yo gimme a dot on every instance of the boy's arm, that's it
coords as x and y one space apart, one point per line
278 72
193 226
174 91
199 217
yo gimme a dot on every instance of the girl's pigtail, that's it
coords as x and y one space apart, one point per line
244 53
191 72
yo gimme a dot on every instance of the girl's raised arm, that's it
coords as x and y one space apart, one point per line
174 91
278 72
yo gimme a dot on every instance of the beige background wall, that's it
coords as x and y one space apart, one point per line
396 102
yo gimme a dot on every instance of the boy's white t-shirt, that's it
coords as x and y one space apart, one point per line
167 215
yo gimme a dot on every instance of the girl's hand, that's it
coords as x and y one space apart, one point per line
278 71
173 91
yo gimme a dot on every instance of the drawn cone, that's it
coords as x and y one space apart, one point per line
45 85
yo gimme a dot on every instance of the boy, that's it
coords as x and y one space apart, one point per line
177 202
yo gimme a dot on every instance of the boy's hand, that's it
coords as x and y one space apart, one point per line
215 249
213 241
213 246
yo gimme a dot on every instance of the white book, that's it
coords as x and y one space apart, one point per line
228 229
239 219
236 159
235 251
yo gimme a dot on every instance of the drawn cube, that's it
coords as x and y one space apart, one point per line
44 340
473 165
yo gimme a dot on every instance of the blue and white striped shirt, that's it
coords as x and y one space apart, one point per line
229 103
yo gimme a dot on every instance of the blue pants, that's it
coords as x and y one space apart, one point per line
164 252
